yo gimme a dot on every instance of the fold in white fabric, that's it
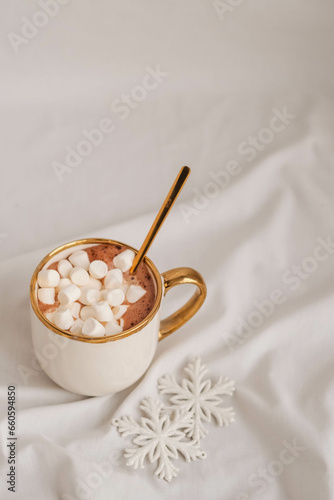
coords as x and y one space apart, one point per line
265 246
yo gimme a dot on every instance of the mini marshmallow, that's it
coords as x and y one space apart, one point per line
134 293
113 279
80 259
121 322
119 311
75 309
102 311
98 269
94 283
63 319
113 297
69 294
113 327
64 267
89 295
46 295
76 328
125 288
50 316
93 328
62 283
48 278
87 312
124 260
103 295
79 276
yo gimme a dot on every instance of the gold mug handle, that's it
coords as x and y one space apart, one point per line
182 276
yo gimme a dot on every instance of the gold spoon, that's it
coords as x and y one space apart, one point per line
160 218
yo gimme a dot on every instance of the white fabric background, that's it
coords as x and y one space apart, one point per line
225 78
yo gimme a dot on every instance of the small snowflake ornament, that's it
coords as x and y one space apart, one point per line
160 437
199 397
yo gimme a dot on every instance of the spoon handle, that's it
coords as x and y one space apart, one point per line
160 218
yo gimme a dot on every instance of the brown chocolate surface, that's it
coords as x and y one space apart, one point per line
139 310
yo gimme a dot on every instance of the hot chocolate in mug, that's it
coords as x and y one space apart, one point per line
105 365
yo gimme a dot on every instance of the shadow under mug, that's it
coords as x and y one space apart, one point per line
105 365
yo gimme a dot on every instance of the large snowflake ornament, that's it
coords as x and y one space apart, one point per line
160 437
199 397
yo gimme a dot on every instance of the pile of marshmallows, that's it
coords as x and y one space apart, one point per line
91 297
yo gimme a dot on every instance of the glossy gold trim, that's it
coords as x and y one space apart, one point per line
182 276
97 340
161 216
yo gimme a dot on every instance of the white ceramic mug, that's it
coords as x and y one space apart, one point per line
105 365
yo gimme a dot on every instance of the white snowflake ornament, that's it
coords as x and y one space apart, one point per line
201 398
160 437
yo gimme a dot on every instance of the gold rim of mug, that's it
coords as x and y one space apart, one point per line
97 340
